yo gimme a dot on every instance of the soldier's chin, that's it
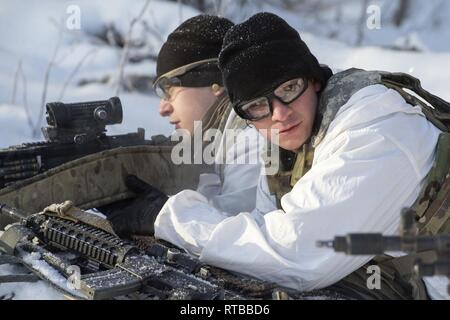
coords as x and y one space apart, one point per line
291 144
186 129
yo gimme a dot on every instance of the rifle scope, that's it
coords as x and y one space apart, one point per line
84 114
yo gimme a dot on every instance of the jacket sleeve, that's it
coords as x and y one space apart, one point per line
362 176
232 189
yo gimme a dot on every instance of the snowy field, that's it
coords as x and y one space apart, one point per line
35 45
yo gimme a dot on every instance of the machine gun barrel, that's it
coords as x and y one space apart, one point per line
12 213
409 242
376 243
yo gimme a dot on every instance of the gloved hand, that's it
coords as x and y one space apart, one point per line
136 215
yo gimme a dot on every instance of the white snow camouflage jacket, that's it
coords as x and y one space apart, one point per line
371 163
233 186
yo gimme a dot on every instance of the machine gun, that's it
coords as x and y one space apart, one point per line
409 242
109 266
74 130
52 246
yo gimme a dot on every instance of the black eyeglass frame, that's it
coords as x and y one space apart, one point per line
267 97
172 78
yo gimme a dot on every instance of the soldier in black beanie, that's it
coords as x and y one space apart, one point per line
190 85
188 79
353 143
263 54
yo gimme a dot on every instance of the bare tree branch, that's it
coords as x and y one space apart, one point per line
126 47
153 31
44 89
16 79
306 7
25 100
218 8
362 23
19 74
402 12
180 11
75 71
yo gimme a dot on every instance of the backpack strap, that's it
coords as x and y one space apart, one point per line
440 109
432 205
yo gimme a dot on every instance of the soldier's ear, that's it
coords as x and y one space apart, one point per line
217 90
317 86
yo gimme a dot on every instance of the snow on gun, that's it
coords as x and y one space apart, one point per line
111 267
62 238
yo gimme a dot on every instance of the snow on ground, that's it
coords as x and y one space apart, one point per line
430 68
29 36
438 287
426 25
25 291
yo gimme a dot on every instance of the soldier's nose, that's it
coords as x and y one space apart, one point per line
165 108
281 111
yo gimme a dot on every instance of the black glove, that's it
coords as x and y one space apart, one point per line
136 215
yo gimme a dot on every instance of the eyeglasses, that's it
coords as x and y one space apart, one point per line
261 107
171 79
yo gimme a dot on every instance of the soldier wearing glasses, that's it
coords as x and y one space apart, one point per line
354 154
190 86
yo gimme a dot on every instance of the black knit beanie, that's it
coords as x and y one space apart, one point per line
198 38
261 53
